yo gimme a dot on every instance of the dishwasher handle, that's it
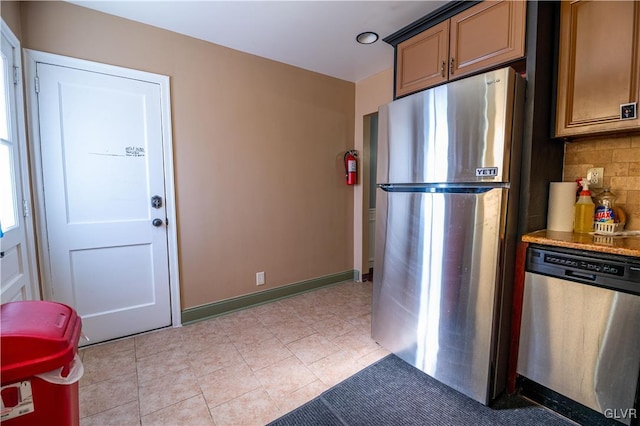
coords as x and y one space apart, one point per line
580 275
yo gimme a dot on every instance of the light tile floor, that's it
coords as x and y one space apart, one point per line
244 368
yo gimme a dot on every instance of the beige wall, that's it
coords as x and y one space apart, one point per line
10 12
620 157
258 151
370 94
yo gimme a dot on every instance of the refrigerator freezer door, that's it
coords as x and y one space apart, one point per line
434 297
459 132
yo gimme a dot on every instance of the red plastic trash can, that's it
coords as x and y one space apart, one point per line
40 367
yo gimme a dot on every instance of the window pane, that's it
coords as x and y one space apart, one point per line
8 208
4 81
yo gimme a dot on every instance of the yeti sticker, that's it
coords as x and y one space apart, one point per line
486 172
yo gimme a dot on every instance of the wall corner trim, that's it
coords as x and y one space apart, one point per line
211 310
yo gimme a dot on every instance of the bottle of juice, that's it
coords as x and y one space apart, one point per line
584 210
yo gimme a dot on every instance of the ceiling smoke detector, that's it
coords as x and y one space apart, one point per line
367 37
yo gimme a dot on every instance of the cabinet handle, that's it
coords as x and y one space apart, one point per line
442 68
451 66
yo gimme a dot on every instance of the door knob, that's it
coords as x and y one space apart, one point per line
157 222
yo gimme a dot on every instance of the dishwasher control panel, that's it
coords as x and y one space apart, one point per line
603 270
586 265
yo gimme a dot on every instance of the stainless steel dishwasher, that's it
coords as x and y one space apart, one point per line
580 332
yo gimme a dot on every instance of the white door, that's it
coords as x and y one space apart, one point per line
17 252
101 149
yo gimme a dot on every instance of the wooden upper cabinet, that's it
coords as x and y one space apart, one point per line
422 60
483 36
598 67
487 34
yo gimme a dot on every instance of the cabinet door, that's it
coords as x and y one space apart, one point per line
599 66
421 61
485 35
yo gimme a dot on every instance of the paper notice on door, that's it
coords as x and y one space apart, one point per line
134 151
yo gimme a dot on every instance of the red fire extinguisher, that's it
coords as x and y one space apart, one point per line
351 166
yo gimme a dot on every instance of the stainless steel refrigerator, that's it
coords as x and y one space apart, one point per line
446 219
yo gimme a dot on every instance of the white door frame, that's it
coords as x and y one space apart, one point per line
31 262
31 58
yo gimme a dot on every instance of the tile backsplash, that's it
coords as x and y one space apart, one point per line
620 157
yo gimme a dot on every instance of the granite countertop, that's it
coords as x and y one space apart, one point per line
625 246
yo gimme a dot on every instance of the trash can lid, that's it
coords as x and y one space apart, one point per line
36 337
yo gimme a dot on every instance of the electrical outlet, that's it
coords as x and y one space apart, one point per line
259 278
595 176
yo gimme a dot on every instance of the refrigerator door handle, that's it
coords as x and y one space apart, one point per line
442 188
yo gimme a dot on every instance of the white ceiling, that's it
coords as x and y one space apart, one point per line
314 35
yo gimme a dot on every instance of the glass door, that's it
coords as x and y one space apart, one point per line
17 255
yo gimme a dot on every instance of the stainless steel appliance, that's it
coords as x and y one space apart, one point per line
446 212
580 332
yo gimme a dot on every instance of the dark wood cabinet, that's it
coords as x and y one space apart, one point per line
488 34
598 67
485 35
422 60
